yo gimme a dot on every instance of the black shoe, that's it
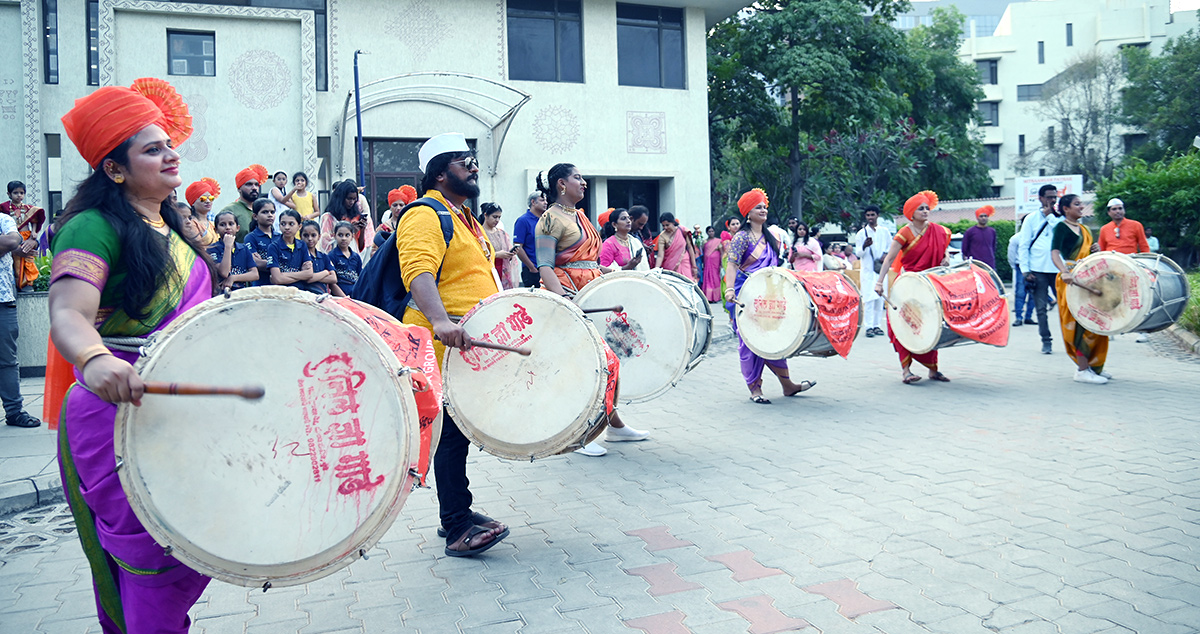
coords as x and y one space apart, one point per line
870 332
23 419
1017 322
1046 348
1030 322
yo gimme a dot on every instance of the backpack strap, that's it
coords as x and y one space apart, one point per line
444 217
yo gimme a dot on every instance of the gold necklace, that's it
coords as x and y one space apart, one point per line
566 209
624 241
157 224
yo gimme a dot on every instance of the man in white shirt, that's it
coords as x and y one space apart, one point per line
1034 252
872 243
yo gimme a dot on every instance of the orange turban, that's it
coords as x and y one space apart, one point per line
406 194
255 172
750 200
927 197
986 209
604 217
111 115
201 187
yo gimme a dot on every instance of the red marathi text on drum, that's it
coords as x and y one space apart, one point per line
355 473
769 308
329 396
509 332
624 336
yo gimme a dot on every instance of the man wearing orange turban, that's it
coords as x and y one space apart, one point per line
979 242
917 246
248 182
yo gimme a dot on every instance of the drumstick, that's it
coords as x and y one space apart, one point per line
248 392
616 309
1087 288
525 352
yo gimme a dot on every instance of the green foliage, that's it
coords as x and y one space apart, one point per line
1163 95
1191 314
1164 196
1004 230
42 283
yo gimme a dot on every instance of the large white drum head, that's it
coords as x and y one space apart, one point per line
285 489
700 313
776 313
915 312
1125 293
519 407
652 336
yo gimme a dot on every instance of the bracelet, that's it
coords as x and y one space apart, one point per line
89 353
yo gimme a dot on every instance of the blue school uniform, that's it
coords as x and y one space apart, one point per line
242 261
347 268
320 262
260 244
289 260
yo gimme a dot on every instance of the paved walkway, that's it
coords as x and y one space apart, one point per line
1010 500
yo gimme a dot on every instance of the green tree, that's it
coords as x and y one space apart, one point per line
1163 95
1164 196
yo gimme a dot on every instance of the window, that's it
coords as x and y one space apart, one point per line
50 41
1021 144
1134 141
985 25
997 189
1070 34
991 156
54 165
1050 137
649 46
988 71
1041 52
545 40
990 112
93 47
1029 92
191 53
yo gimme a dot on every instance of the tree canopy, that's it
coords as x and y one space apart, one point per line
1163 95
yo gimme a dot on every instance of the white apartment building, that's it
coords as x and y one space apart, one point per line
619 89
1032 43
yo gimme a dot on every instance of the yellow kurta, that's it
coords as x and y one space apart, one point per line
468 269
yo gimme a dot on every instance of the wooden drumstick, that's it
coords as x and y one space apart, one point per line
248 392
525 352
615 309
1087 288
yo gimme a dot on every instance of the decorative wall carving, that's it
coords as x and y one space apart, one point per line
502 28
412 25
31 56
556 129
196 148
646 132
259 79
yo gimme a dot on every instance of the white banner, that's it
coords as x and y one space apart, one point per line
1026 199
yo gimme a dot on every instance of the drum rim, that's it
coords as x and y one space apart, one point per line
582 423
799 340
655 278
1076 296
923 278
255 575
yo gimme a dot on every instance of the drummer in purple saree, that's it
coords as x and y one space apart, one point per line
122 269
752 249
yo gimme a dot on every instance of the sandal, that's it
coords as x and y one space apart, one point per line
760 400
465 540
938 376
804 387
478 519
910 378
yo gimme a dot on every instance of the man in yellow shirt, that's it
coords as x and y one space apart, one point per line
439 299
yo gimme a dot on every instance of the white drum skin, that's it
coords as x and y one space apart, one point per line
1140 293
526 407
915 312
286 489
778 319
662 333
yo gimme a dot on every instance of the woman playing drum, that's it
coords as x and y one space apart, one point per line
754 248
568 247
1072 241
121 269
917 246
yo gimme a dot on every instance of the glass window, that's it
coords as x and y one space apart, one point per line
1021 144
50 41
191 53
988 71
1029 92
1041 52
991 156
93 29
990 111
1050 137
650 46
1070 35
545 40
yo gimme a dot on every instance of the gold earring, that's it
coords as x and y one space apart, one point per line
118 179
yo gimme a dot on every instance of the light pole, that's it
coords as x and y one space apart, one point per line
358 121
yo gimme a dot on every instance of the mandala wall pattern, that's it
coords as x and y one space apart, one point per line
646 132
556 129
196 148
412 25
260 79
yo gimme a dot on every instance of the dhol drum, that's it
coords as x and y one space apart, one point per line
1146 292
948 305
778 319
289 488
662 333
553 401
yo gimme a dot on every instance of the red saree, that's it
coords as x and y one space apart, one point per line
919 253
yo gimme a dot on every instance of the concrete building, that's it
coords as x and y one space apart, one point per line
618 89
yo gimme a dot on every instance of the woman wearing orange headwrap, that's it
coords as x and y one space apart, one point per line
752 249
200 195
918 246
122 268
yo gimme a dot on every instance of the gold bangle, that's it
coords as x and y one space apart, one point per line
89 353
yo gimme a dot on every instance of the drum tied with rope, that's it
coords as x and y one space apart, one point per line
781 313
1115 293
948 305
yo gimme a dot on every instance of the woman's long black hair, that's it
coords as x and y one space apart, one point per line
144 254
337 200
766 234
549 186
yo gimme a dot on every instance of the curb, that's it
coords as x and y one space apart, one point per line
26 493
1186 338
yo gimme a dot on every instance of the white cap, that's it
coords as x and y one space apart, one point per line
441 144
1114 202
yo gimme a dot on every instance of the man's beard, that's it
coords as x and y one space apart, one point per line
461 187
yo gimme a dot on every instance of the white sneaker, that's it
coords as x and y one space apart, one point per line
625 434
1142 338
1087 376
592 449
1104 374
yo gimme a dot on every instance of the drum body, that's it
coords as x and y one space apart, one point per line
1146 292
778 319
286 489
662 333
915 311
550 402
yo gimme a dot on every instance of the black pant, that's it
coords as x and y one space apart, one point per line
530 280
450 474
10 372
1042 283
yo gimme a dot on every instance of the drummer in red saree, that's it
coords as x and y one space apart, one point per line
1073 241
568 250
917 246
122 268
754 248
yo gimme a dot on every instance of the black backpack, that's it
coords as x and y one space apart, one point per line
380 284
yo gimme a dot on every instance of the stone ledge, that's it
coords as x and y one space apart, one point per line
1186 338
26 493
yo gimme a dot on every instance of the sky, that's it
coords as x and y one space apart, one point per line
1184 5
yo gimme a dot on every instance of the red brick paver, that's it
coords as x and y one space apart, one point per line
763 617
852 603
663 579
743 566
665 623
658 538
